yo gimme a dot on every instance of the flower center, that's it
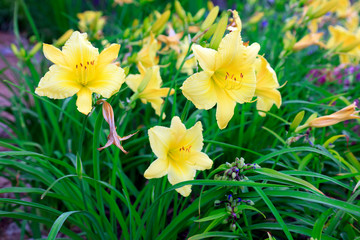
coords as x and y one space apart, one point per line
85 71
180 154
228 80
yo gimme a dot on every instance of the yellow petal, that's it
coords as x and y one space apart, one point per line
107 81
54 54
180 173
156 105
199 89
157 169
84 100
205 57
109 54
58 83
155 81
155 93
79 50
246 90
225 108
200 161
266 98
133 81
265 75
178 129
160 139
194 137
245 56
228 48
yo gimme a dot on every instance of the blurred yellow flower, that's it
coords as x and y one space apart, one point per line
309 40
189 64
228 77
122 2
342 40
146 86
147 54
318 8
178 152
92 22
80 69
344 114
255 18
266 86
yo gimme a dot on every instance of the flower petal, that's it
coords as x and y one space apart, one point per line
107 81
180 173
133 81
199 89
79 50
84 100
160 139
178 129
194 137
228 47
225 108
54 54
200 161
205 57
109 54
58 83
247 87
157 169
267 99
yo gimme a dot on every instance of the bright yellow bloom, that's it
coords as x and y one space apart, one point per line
92 22
309 40
266 86
146 86
178 152
342 40
344 114
342 8
80 69
147 54
228 77
318 8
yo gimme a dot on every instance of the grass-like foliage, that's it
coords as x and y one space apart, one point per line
205 123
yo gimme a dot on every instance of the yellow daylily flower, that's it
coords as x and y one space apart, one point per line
189 64
318 8
80 69
309 40
178 152
228 77
344 114
146 86
342 40
92 22
266 86
342 8
147 54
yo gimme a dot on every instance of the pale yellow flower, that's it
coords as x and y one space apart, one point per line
344 114
189 64
318 8
146 86
172 40
80 69
342 40
178 152
309 40
228 77
266 86
147 54
92 22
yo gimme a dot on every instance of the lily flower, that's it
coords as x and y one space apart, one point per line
228 77
318 8
266 86
308 40
113 137
92 22
147 54
344 114
146 86
342 40
178 152
80 69
190 63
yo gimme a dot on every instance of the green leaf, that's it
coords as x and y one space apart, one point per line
213 215
216 235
